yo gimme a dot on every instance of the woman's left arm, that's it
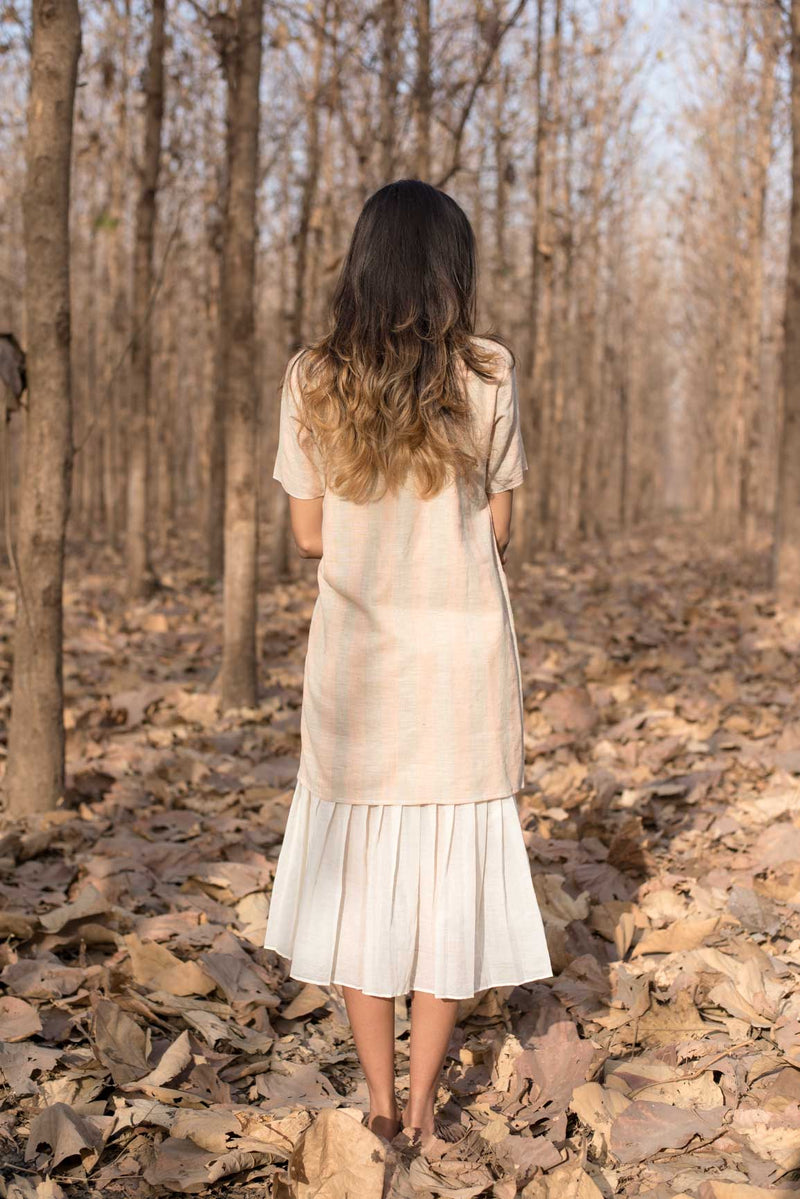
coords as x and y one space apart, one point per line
306 519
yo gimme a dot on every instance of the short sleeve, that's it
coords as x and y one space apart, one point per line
297 465
507 460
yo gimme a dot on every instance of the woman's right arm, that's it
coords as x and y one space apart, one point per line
500 508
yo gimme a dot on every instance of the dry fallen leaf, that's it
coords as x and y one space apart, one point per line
59 1134
156 967
21 1065
90 902
119 1042
449 1179
336 1158
174 1059
714 1189
567 1181
18 1019
597 1107
687 934
308 1000
644 1128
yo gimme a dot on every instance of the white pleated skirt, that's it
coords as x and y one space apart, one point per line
394 898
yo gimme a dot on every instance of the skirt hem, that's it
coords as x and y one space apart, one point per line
435 898
335 982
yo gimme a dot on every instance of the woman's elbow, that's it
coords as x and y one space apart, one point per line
308 549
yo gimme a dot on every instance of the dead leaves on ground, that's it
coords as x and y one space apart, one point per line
150 1046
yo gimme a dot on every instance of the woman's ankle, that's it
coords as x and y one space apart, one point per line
384 1126
385 1106
418 1113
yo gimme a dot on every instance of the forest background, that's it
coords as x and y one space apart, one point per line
627 170
178 185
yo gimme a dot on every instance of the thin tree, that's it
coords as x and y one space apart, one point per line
140 577
238 38
310 182
423 90
749 391
391 32
114 275
214 192
35 776
532 411
786 561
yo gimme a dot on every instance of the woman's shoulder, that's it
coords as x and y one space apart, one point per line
500 358
291 368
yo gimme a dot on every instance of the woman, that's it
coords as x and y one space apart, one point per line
403 868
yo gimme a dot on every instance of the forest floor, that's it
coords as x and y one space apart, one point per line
150 1046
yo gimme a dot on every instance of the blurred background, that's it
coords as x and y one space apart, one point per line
626 167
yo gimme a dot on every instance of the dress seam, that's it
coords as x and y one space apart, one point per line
510 793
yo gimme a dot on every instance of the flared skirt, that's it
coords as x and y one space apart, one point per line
394 898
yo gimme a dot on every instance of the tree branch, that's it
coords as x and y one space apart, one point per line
477 83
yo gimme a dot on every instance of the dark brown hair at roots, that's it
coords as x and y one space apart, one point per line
383 392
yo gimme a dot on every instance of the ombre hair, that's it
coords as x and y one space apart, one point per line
383 393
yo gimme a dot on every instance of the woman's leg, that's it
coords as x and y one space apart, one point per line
372 1021
432 1022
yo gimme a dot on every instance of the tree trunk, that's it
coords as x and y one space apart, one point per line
589 346
561 384
542 380
751 396
502 166
35 778
215 499
280 547
526 500
241 58
140 577
786 566
115 292
423 90
313 158
390 67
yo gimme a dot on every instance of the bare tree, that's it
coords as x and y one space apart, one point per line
391 21
239 37
423 90
533 413
215 498
749 394
140 575
35 777
786 567
311 180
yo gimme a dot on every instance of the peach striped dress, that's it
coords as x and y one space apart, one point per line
403 866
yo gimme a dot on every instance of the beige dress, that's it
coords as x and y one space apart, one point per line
403 865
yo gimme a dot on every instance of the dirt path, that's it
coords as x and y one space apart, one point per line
149 1045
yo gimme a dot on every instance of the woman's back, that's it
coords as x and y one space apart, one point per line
412 633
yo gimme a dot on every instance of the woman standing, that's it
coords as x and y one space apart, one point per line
403 867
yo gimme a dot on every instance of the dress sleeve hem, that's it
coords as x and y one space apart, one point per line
297 492
497 487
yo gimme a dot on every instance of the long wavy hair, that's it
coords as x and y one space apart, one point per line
383 393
